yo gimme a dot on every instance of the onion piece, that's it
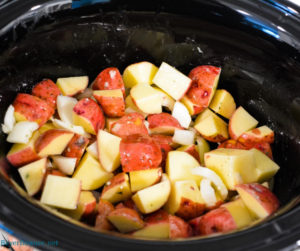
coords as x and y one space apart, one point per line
65 164
72 128
207 192
213 177
184 137
92 149
65 107
22 131
181 113
9 120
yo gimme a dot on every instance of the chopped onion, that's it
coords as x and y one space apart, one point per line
65 107
207 192
22 131
65 164
181 113
184 137
92 149
213 177
73 128
9 120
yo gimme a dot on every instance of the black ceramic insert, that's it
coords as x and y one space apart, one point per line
255 42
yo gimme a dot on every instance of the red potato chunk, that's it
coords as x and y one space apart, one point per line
46 90
104 209
215 221
233 144
262 134
139 153
113 107
76 147
204 81
31 108
109 79
189 209
191 150
179 228
89 115
22 156
55 172
259 199
163 123
126 219
129 124
263 147
165 143
52 142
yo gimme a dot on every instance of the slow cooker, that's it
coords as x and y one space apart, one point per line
257 44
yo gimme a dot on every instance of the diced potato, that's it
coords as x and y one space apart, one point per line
234 166
185 199
212 128
91 173
139 73
172 81
61 192
146 98
154 197
265 167
179 165
223 103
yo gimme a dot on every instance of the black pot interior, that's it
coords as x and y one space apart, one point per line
257 50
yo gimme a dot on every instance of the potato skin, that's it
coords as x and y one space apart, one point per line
262 194
46 90
109 79
247 139
215 221
163 123
104 209
55 172
89 109
157 217
165 143
115 181
76 147
130 214
33 108
263 147
113 107
127 203
193 152
139 153
233 144
188 209
22 157
47 137
179 228
129 124
201 88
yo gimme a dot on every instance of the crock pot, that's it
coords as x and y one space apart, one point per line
255 42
